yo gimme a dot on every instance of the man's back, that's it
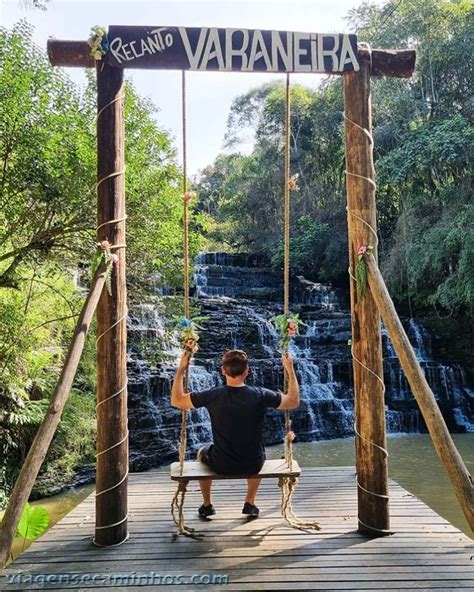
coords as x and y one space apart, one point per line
237 415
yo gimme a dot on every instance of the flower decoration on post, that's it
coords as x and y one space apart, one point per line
189 195
361 270
189 332
110 259
293 183
288 326
98 42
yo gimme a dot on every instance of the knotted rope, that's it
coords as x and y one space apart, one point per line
123 390
384 451
177 506
287 484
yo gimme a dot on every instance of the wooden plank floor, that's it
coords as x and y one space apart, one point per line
426 552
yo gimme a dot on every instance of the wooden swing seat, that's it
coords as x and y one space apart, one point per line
197 470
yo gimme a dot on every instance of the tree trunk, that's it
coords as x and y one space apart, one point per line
112 440
371 460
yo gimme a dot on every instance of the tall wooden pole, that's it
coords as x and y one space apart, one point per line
371 458
112 440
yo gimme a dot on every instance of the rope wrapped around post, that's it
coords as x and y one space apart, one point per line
372 230
123 390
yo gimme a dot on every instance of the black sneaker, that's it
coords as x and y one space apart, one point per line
250 510
206 511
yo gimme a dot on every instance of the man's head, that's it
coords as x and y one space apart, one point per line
235 364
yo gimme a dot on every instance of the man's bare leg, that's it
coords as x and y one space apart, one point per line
206 486
252 488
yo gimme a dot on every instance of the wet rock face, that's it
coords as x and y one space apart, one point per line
230 289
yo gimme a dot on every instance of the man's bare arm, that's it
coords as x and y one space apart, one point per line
179 398
291 399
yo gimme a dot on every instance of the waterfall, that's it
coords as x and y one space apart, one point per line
240 296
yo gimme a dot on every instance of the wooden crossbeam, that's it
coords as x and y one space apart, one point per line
395 63
197 470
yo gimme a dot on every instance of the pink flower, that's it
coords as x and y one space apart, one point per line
362 250
114 258
293 183
291 332
190 342
292 325
188 196
104 245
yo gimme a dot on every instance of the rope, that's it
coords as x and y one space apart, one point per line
369 51
384 451
186 307
178 499
286 266
123 389
177 509
286 262
185 201
287 486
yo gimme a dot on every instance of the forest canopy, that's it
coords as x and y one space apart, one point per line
423 150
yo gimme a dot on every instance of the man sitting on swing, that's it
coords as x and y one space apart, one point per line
237 413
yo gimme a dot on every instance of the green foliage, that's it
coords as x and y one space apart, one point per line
33 522
190 331
47 233
423 137
288 325
361 271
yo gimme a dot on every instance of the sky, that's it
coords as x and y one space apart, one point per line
209 94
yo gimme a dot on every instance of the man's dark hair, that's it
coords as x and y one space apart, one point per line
235 362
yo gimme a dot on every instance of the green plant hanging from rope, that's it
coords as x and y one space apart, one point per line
110 259
190 331
288 325
361 271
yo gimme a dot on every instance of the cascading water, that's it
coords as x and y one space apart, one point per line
240 296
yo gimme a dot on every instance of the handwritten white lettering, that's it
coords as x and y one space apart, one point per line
231 51
237 49
193 57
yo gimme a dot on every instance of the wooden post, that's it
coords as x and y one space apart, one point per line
44 435
112 465
442 441
371 461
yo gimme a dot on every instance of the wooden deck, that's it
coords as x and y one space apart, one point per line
426 552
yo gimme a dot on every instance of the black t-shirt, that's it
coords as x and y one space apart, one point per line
237 415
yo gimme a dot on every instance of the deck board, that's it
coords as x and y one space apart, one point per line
425 552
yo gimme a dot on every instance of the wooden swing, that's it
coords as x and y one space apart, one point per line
285 470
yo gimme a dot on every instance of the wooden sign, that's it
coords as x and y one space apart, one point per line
230 50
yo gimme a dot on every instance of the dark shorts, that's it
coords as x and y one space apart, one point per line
206 458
